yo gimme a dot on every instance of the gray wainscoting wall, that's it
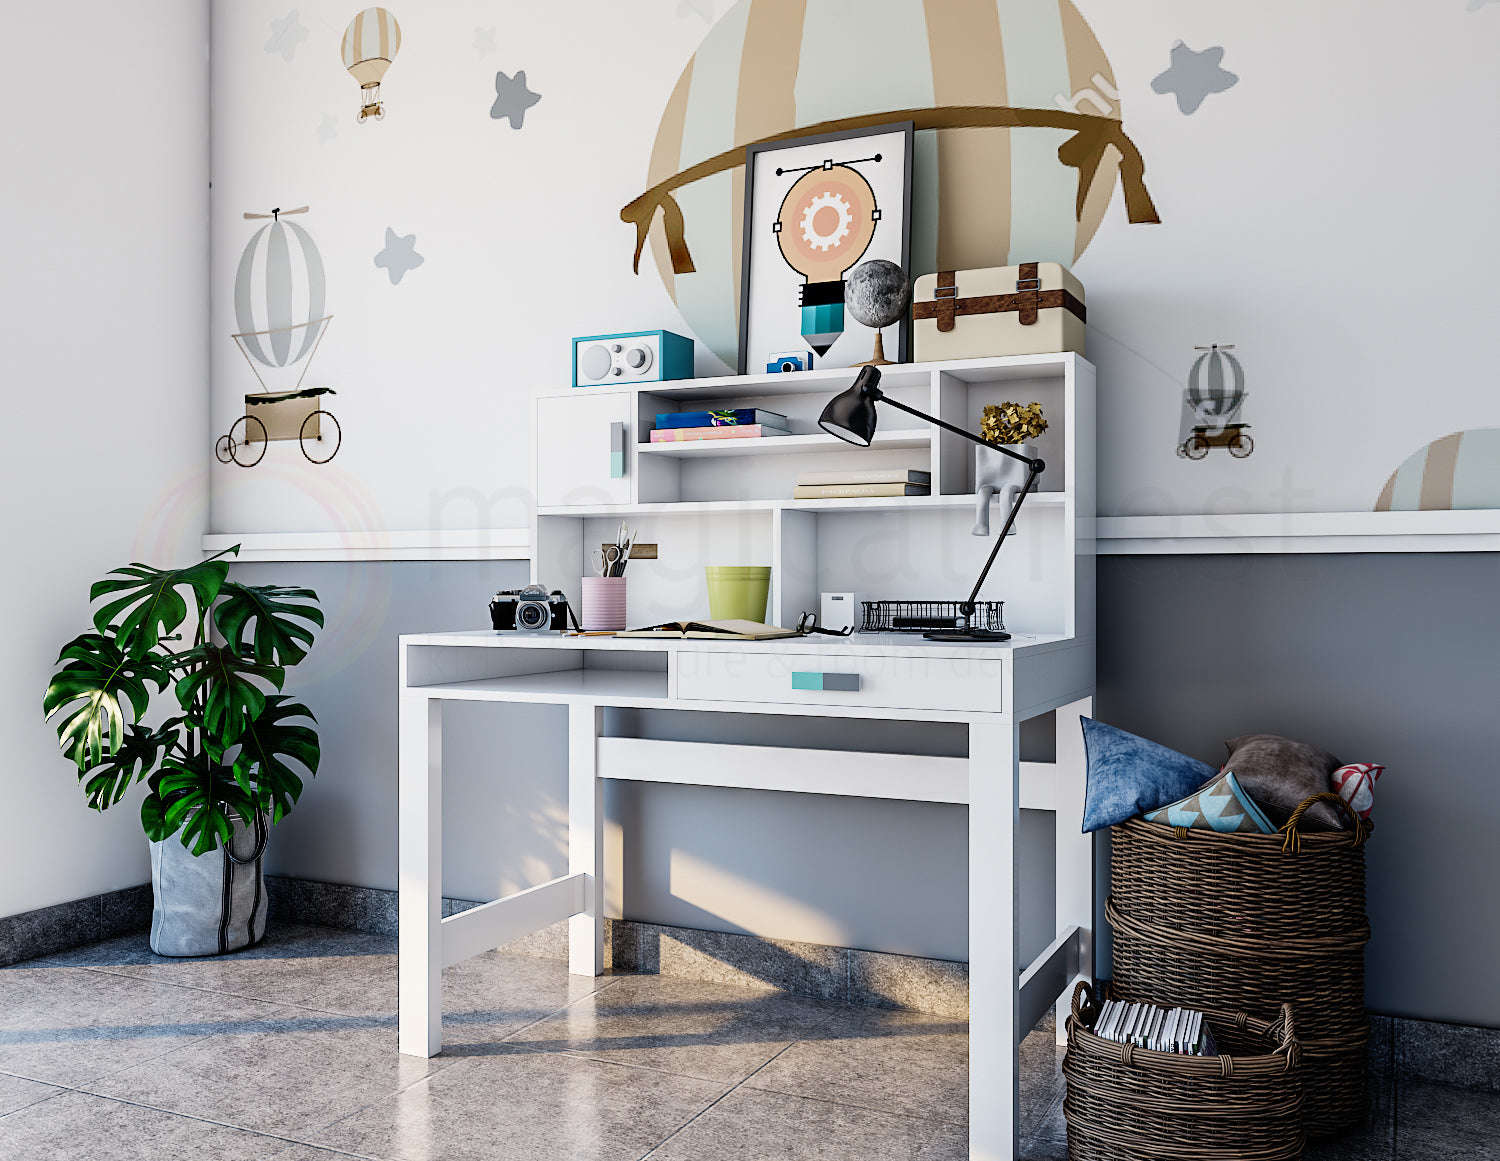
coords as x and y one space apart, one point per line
1390 658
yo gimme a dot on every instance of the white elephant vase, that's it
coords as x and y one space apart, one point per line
997 475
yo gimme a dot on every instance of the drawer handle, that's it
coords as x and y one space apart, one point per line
826 682
617 451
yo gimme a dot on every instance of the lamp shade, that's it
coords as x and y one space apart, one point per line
850 415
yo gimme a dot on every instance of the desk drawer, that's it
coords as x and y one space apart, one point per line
963 684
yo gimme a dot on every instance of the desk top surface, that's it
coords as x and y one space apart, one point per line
859 644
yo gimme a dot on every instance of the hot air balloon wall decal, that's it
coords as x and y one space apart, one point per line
1212 406
1007 167
280 296
370 44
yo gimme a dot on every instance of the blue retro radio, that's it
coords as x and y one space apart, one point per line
637 357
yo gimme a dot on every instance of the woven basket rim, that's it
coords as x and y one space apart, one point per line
1289 838
1281 1059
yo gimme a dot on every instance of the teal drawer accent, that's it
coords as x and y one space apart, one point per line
826 682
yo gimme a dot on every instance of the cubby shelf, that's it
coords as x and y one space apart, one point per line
596 467
780 445
1036 501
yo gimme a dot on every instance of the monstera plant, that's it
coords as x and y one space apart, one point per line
230 752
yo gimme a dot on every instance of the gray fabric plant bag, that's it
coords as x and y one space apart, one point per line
212 903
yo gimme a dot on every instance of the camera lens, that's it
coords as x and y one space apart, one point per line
529 616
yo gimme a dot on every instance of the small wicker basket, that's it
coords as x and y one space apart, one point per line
1126 1103
1247 922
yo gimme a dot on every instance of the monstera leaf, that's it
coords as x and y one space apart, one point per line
133 760
279 636
230 697
198 797
88 692
267 745
149 601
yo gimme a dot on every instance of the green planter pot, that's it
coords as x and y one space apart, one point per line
738 592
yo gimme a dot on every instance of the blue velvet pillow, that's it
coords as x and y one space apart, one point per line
1128 775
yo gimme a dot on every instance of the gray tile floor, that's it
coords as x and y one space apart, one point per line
287 1053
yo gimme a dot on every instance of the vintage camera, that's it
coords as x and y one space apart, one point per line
790 361
529 610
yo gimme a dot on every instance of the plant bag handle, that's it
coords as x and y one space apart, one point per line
262 837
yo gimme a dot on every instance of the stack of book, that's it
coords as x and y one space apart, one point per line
727 423
1179 1030
859 482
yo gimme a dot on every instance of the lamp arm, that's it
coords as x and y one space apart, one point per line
972 603
1037 466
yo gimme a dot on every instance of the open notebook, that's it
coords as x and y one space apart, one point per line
714 630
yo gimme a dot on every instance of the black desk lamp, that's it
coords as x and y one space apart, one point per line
850 415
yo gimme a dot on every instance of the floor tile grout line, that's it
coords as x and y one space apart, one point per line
193 1117
717 1100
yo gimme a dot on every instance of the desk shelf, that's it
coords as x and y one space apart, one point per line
617 686
730 502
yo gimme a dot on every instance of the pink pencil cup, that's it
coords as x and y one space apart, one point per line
603 604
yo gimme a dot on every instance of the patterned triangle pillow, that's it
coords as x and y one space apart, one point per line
1220 805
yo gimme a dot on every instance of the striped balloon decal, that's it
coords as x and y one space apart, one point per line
1458 471
1004 196
372 35
710 294
277 287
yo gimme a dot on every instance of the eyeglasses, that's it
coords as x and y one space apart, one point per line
808 623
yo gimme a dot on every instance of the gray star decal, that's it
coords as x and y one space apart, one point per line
286 34
1193 76
513 98
328 129
484 40
399 256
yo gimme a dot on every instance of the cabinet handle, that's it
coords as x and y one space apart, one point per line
826 682
616 451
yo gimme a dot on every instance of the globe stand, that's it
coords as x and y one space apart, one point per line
877 358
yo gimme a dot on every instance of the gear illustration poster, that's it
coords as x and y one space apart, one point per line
816 211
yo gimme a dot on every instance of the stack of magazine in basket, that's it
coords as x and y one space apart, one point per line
847 483
1179 1030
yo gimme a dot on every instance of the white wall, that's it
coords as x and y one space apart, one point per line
1330 214
102 336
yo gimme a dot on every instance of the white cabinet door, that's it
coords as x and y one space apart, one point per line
583 449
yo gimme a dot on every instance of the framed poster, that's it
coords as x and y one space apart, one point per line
816 207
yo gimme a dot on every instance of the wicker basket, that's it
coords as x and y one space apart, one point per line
1125 1103
1247 922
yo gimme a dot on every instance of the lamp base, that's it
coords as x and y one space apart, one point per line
975 635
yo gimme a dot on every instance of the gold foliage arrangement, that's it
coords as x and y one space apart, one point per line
1009 423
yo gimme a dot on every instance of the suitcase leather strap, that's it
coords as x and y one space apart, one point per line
1028 300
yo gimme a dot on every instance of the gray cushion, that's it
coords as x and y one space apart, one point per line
1279 774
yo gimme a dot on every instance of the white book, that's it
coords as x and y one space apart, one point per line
1173 1030
866 476
1106 1014
1158 1021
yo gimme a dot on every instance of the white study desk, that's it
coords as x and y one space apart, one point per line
989 688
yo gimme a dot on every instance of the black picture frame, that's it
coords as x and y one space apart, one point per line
753 155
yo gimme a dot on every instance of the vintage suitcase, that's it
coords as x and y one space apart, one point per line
1032 309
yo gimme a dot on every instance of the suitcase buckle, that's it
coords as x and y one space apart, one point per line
1024 284
945 292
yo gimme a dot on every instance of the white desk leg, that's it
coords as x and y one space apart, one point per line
1075 850
994 973
586 839
420 869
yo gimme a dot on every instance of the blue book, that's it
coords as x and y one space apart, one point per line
726 417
